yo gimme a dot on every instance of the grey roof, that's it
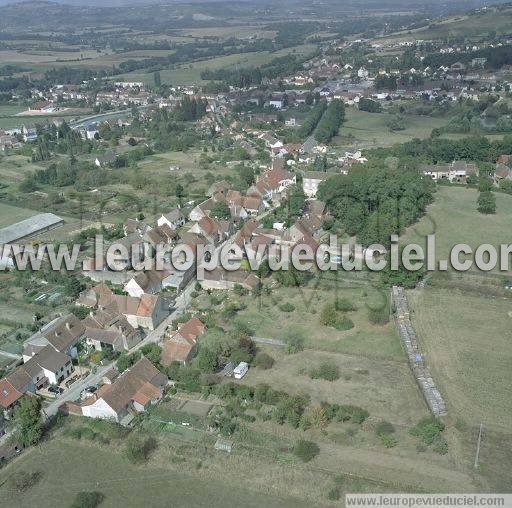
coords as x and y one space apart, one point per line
29 227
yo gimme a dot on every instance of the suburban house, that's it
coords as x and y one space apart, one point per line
181 345
149 281
46 367
272 183
457 171
132 226
210 228
311 181
63 334
134 391
174 219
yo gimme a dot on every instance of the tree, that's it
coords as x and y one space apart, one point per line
88 500
157 79
306 450
29 422
369 105
152 352
486 203
294 340
220 210
207 359
138 448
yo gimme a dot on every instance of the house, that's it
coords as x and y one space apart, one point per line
107 159
46 367
181 345
457 171
148 281
223 279
201 210
272 184
311 180
277 101
29 133
43 107
107 329
210 228
132 226
63 334
271 141
174 219
145 311
134 391
161 235
241 370
502 172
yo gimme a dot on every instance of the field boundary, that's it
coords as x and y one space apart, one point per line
432 395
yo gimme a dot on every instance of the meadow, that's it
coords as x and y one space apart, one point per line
189 74
363 130
466 341
454 219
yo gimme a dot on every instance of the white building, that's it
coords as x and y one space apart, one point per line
241 370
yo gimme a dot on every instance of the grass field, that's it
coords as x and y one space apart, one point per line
385 388
77 467
369 130
191 73
11 214
454 219
466 340
365 339
14 168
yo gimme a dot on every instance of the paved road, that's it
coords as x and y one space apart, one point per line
76 389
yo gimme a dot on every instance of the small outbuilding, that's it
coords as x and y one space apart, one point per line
241 370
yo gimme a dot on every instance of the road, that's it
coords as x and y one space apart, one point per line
76 389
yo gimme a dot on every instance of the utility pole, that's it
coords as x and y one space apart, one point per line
478 447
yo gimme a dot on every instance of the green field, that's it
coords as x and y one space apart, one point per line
191 73
454 219
365 339
11 214
77 467
363 130
466 340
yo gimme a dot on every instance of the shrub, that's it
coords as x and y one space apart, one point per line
440 446
428 429
388 441
306 450
287 307
138 448
294 341
263 361
88 500
344 305
332 318
326 370
344 323
384 428
334 494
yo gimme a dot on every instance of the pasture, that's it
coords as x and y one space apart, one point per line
466 338
363 130
454 219
365 339
189 74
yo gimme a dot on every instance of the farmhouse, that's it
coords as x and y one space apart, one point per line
174 219
63 334
132 392
29 227
106 159
181 345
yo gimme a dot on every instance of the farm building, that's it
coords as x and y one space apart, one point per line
29 227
